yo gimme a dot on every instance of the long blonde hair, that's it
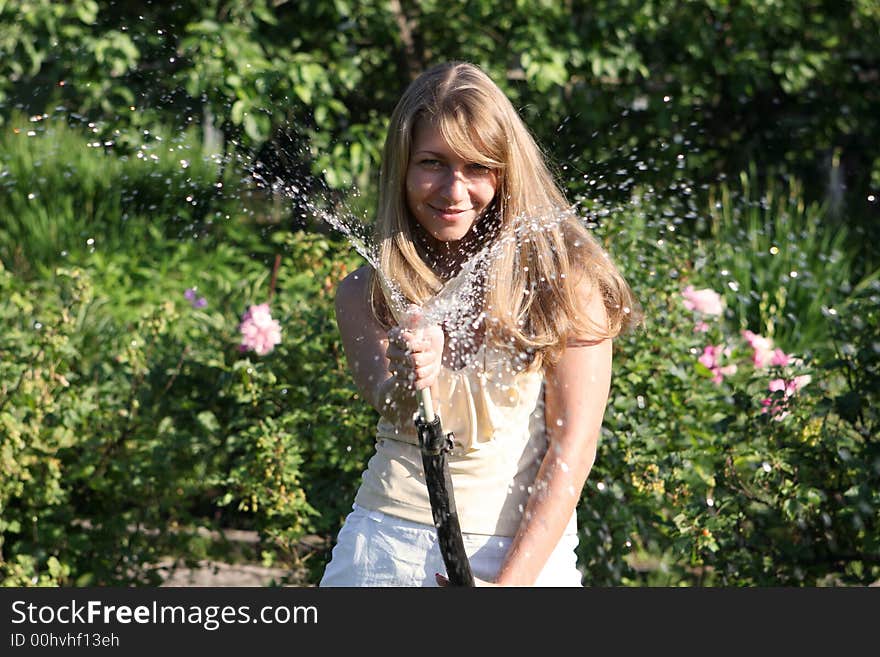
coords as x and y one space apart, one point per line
530 289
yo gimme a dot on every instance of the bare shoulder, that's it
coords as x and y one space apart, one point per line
351 293
592 313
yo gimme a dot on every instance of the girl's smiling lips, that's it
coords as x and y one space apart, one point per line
450 214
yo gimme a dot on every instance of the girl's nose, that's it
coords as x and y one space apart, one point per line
455 187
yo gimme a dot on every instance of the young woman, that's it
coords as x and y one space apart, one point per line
522 384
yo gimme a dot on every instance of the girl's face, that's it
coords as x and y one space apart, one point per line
446 194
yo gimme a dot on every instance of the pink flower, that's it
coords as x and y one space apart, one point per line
259 332
721 372
705 301
763 349
777 410
797 383
711 358
701 327
780 358
778 407
777 385
765 353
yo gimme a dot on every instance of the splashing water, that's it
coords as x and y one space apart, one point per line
355 231
457 305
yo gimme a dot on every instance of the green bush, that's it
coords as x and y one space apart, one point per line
120 438
700 482
66 192
778 259
657 91
130 419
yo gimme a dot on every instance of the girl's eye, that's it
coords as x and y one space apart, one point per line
430 163
479 168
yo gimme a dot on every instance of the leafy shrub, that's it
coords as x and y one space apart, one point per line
778 258
130 419
66 193
728 483
118 447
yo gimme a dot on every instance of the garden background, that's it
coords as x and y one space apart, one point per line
165 166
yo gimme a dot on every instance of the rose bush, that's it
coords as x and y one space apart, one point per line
699 480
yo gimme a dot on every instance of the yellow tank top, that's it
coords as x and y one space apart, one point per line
497 415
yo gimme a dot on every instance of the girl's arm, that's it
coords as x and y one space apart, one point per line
387 367
576 391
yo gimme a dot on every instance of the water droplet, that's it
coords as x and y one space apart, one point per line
37 326
774 250
793 274
710 501
600 485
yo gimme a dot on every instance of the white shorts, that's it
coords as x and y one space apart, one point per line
376 549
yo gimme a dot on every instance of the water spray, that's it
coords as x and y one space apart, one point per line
435 445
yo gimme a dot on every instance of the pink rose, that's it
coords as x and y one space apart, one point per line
763 349
797 383
705 301
776 385
259 332
778 407
780 358
711 358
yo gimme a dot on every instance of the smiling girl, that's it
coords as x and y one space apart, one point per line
524 392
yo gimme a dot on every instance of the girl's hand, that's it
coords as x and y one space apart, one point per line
415 353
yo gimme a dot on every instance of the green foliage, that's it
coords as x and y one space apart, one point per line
65 192
129 419
658 91
700 482
780 261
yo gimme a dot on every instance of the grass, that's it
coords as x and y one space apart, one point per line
778 260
